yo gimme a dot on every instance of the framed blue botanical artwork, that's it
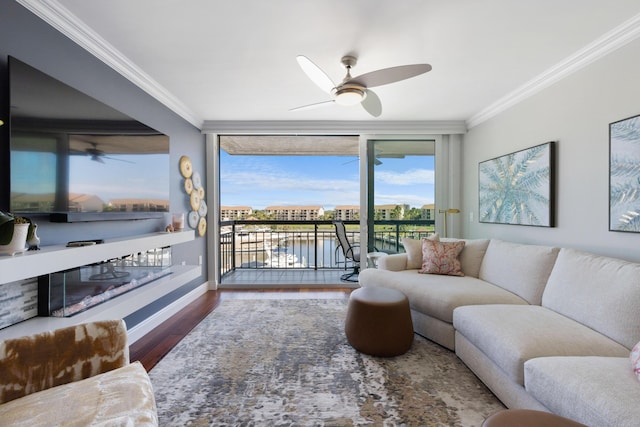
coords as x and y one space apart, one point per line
624 175
518 188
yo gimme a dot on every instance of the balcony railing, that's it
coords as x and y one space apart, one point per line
267 244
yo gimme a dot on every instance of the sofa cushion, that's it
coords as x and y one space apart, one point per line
519 268
393 262
121 397
471 255
512 334
635 360
441 258
436 295
413 249
600 292
596 391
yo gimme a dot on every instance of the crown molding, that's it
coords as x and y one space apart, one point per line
333 127
68 24
609 42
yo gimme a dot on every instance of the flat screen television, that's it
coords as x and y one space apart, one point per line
77 159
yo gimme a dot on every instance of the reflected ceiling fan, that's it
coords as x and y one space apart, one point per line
98 155
377 157
356 90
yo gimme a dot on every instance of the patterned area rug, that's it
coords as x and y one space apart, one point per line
287 362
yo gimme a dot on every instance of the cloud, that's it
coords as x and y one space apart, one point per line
413 200
278 181
258 182
409 177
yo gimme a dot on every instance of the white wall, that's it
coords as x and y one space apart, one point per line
576 113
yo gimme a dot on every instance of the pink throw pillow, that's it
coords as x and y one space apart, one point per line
413 249
441 257
635 360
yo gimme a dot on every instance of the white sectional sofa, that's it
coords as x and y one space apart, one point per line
543 327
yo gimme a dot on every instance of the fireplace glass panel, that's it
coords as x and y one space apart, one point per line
78 289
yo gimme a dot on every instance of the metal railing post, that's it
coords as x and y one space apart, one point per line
315 240
233 247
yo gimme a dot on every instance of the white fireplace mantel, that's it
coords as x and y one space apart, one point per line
51 259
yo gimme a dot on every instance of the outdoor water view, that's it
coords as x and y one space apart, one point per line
278 211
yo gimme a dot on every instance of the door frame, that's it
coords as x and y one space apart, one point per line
448 178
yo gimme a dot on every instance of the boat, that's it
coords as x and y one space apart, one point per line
278 259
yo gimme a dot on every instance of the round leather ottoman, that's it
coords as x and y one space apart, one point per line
528 418
379 322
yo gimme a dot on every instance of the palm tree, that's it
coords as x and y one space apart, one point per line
515 189
624 169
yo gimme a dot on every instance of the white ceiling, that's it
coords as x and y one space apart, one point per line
220 60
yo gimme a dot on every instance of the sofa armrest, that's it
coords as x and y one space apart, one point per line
394 262
38 362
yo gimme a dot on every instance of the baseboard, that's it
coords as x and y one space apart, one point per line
152 322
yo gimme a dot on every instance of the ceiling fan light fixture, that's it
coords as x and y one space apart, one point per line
349 95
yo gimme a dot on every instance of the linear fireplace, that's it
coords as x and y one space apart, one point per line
69 292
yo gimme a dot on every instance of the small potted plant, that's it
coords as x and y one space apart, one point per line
14 232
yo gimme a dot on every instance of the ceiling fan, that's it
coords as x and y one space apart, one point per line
355 90
98 155
377 157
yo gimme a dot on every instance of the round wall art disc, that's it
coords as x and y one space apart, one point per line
186 169
195 200
193 219
197 182
203 208
188 185
202 227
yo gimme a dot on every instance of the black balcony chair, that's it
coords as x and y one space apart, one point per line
351 252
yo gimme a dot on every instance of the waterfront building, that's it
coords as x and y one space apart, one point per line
346 213
428 212
386 212
228 213
295 213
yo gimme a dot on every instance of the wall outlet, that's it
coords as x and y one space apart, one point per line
471 216
200 260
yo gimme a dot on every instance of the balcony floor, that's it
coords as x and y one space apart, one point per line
285 278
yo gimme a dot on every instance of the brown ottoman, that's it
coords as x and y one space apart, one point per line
528 418
379 322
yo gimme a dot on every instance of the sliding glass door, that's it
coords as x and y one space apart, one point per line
400 183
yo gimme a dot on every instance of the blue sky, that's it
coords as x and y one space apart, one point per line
261 181
132 176
129 176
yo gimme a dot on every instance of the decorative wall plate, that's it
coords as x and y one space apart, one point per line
202 226
188 185
186 168
195 200
202 211
193 219
197 182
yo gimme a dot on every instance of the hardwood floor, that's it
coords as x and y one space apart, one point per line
151 348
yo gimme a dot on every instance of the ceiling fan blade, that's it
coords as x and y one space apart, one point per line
390 156
313 106
390 75
372 104
376 161
119 160
315 73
